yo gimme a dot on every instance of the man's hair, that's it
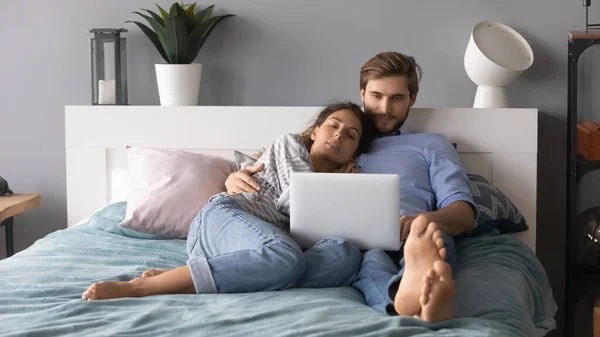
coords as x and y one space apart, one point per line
389 64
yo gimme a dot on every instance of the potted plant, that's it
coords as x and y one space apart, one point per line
179 35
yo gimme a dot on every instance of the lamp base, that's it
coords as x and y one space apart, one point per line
491 97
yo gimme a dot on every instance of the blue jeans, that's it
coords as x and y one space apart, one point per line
232 251
379 275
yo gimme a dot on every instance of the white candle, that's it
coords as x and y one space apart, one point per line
106 92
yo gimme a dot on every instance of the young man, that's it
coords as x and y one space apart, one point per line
436 201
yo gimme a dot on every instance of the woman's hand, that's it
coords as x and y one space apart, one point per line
242 181
349 167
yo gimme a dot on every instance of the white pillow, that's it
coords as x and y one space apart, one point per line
167 188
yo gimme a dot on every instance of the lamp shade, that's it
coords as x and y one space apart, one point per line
496 55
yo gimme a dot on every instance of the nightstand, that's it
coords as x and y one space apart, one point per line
11 205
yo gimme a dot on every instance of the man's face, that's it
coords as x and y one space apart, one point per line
387 100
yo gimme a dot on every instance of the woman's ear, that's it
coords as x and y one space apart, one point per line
313 134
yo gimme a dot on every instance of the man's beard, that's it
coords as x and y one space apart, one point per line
397 122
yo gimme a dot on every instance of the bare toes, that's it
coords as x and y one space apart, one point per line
417 229
443 269
437 235
439 243
442 253
90 293
431 228
426 285
423 299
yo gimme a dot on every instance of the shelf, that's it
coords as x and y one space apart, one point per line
584 163
587 290
580 286
584 167
591 34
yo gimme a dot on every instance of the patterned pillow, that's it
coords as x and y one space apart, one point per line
496 212
242 160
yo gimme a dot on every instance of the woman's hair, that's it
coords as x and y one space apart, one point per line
366 137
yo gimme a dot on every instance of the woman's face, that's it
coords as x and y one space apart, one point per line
336 140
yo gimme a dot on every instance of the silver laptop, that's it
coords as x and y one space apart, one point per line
362 208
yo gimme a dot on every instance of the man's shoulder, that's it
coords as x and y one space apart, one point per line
438 138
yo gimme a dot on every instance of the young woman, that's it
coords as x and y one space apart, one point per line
241 243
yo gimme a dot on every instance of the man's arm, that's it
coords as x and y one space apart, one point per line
455 211
454 219
243 180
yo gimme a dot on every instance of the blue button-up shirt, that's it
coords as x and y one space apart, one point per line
431 173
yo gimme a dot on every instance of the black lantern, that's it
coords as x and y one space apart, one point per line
588 25
108 59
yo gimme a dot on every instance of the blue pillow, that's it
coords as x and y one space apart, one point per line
496 212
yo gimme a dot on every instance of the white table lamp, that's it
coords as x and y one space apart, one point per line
496 56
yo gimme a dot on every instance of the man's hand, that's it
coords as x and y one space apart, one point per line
406 221
454 219
349 167
242 180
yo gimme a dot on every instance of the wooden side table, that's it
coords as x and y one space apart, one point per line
11 205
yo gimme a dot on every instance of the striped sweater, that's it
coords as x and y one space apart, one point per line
272 204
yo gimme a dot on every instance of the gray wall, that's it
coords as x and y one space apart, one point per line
275 53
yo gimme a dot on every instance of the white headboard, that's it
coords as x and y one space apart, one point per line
499 144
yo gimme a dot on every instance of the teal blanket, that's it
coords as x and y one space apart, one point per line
502 290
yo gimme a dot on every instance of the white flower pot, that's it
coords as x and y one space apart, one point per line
178 84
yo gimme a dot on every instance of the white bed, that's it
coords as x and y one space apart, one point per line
41 286
498 144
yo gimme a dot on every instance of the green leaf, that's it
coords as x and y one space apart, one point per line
203 15
175 8
152 21
189 17
153 38
189 23
156 17
177 40
190 10
163 12
158 29
201 33
183 41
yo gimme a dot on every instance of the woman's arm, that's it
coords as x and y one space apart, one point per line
243 181
287 150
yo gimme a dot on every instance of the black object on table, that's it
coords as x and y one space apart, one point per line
8 225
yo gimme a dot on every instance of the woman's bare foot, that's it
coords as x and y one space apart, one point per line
114 289
422 249
437 293
153 272
173 281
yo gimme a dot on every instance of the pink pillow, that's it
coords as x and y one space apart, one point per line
167 188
